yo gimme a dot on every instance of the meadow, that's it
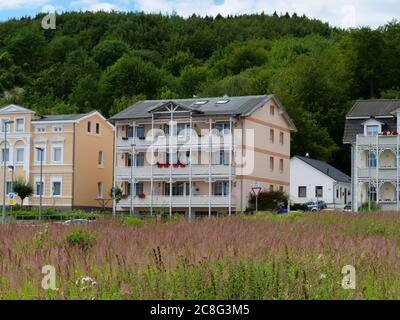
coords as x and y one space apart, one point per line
264 256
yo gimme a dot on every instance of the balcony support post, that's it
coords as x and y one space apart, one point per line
133 162
170 159
378 191
152 164
397 174
209 166
230 166
190 167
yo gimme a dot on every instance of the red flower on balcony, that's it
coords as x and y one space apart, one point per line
142 196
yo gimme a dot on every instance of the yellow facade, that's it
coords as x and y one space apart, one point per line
72 168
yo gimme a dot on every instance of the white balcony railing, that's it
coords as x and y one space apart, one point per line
201 201
144 173
384 173
382 140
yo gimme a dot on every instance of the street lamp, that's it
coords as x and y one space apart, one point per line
41 180
11 167
6 123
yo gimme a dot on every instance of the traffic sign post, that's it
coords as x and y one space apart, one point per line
256 190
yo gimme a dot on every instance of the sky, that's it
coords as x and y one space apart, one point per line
340 13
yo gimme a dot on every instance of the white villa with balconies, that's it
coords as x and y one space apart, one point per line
372 128
200 156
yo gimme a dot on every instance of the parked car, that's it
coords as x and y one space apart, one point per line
348 207
312 206
322 205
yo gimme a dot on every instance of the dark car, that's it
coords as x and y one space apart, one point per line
322 205
348 207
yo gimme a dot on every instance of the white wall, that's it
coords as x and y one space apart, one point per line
302 174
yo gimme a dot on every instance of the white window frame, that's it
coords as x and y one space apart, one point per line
16 155
100 196
16 125
58 126
57 146
38 128
52 180
100 164
35 152
2 156
37 180
372 122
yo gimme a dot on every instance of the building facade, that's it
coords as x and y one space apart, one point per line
314 180
371 129
77 153
200 156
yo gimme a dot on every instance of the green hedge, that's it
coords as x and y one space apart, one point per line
51 214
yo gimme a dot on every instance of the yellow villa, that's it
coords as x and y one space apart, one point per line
77 166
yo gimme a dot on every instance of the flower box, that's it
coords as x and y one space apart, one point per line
142 196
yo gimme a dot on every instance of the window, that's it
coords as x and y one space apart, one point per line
140 159
281 165
56 187
57 154
372 130
222 127
97 128
337 193
181 127
272 135
371 160
319 192
178 189
271 187
39 187
40 129
19 155
222 101
100 159
281 138
281 188
271 163
19 125
89 127
140 132
221 188
223 158
100 190
139 188
57 129
200 102
272 110
3 125
302 192
372 193
39 153
8 187
5 154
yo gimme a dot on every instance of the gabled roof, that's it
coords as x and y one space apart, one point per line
13 108
60 117
326 169
235 106
381 110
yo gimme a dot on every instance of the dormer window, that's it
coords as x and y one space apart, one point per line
372 130
372 127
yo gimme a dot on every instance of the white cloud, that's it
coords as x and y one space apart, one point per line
17 4
94 5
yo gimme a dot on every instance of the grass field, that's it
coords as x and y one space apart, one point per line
297 256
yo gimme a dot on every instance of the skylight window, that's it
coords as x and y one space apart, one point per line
200 102
222 101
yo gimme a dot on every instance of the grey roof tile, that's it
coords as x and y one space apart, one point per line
326 169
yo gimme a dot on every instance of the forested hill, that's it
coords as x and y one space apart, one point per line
107 61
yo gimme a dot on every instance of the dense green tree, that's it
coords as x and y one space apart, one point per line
109 51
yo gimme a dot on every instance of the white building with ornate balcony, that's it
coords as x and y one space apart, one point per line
372 128
200 156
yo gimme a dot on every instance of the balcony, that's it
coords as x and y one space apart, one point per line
201 201
144 173
382 140
384 173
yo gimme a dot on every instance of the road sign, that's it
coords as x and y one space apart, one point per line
256 190
11 198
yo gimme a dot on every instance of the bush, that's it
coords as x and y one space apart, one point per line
268 200
132 221
80 238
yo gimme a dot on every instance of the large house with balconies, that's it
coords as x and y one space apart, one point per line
372 128
200 156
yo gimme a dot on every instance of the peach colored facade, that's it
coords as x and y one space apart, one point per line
77 162
219 185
